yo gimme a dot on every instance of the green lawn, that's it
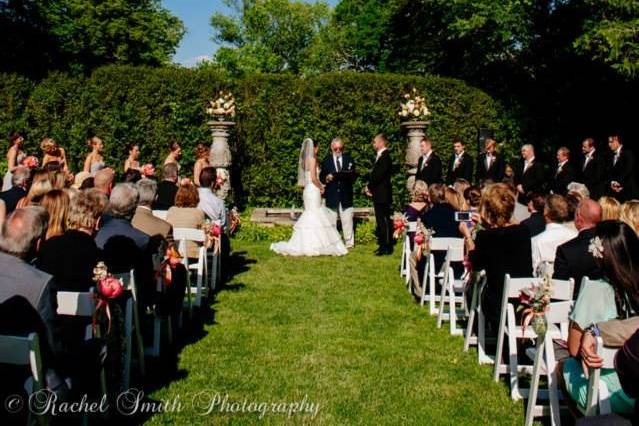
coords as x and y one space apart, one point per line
342 332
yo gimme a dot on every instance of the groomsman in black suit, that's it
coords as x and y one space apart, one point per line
460 165
490 165
564 172
530 174
338 174
621 177
380 189
592 169
429 166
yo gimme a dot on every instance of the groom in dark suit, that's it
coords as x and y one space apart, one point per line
338 174
380 189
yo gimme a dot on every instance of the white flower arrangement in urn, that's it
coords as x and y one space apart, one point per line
222 107
414 107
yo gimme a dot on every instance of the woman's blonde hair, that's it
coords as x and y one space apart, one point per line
48 145
610 208
454 198
58 180
630 214
40 185
419 194
86 208
497 205
56 202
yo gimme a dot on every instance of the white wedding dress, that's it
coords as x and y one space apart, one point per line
314 233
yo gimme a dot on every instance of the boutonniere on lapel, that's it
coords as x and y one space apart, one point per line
350 166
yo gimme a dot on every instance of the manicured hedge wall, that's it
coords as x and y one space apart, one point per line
152 107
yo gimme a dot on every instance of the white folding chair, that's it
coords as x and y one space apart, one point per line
154 350
404 268
182 235
131 326
508 327
430 278
475 312
598 396
81 304
19 350
160 213
543 355
452 290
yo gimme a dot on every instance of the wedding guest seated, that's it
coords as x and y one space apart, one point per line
501 247
79 179
544 246
441 216
472 195
419 203
103 180
167 189
578 188
160 231
40 185
630 214
185 213
124 247
21 235
212 206
88 183
572 259
56 202
610 208
70 258
461 185
20 183
616 249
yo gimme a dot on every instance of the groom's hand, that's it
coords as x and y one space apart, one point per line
329 178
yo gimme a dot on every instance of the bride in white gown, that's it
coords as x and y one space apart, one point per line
314 233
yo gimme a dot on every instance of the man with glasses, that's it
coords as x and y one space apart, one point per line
338 174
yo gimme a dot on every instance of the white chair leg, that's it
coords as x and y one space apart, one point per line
469 330
442 300
128 331
513 365
534 384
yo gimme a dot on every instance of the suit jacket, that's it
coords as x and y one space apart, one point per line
11 197
463 171
166 195
340 189
593 175
379 183
494 173
536 223
533 179
159 230
562 178
431 172
623 172
18 278
572 260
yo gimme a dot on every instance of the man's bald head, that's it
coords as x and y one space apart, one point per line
103 180
588 214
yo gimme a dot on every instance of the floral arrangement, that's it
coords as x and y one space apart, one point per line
148 170
534 304
414 107
596 248
399 225
221 178
213 233
223 106
422 239
234 220
108 288
172 258
31 162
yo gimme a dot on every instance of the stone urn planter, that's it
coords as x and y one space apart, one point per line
220 154
415 131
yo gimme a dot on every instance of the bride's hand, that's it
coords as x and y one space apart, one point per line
322 190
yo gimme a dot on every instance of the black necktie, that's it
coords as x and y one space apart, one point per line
339 164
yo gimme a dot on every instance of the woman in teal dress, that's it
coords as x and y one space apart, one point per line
616 249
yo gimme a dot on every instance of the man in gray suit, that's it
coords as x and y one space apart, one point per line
19 239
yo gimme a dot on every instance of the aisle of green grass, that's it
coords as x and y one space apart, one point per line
341 331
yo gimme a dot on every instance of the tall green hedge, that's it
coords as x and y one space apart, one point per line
154 106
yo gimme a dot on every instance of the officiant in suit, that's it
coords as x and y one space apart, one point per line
429 166
530 175
460 165
379 188
338 174
490 164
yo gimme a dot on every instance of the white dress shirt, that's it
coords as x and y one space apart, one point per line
379 153
212 206
544 246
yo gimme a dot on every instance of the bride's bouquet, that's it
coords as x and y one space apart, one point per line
414 106
222 107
